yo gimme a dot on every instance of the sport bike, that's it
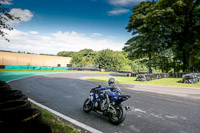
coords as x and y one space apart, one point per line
107 103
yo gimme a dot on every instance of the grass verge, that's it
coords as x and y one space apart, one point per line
161 82
56 124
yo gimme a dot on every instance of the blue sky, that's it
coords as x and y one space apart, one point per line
49 26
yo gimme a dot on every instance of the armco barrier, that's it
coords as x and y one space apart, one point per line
84 69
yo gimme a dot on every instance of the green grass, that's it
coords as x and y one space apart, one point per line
161 82
56 124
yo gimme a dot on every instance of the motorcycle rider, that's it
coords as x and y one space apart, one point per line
112 87
115 88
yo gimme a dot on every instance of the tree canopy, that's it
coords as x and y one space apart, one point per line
66 53
106 59
111 60
84 58
165 30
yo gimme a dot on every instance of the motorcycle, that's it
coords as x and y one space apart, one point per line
107 103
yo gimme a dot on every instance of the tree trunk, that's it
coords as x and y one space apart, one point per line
184 62
174 65
191 60
150 56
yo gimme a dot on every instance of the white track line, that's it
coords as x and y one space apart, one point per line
75 122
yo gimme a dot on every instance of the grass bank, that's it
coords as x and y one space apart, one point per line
161 82
56 124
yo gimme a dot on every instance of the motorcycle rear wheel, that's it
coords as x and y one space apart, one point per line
120 115
87 106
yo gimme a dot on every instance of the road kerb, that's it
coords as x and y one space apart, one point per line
75 122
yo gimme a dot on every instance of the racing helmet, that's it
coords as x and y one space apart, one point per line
111 81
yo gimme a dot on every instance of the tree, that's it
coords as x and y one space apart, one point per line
84 58
144 42
110 60
66 53
184 22
5 16
166 25
139 65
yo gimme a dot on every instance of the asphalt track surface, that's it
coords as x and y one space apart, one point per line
150 112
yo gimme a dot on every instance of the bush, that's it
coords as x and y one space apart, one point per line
126 68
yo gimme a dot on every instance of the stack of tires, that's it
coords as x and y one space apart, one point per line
16 113
190 78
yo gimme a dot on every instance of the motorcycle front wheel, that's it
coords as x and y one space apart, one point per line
87 106
120 115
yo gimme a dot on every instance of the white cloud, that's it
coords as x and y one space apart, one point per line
121 5
117 11
6 2
96 34
25 15
34 32
124 2
52 44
